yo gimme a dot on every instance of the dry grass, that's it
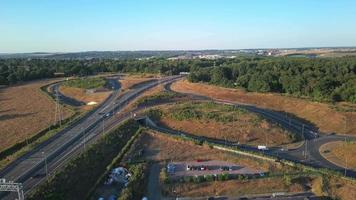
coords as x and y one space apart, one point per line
162 148
81 95
324 116
130 80
335 187
247 128
342 189
338 152
24 111
232 188
150 92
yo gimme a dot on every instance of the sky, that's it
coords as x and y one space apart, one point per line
110 25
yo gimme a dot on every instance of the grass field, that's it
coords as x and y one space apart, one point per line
157 148
131 80
341 153
161 148
329 118
232 188
24 111
83 96
86 83
223 122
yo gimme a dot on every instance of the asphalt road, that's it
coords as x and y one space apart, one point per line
313 139
30 169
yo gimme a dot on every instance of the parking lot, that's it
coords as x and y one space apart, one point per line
207 167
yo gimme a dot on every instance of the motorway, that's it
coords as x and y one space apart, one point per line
31 168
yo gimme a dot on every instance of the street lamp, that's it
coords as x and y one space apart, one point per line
45 162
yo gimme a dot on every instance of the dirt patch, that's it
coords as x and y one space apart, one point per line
342 189
161 148
325 116
24 111
340 153
83 96
246 128
131 80
231 188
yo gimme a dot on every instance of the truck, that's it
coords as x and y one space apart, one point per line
262 147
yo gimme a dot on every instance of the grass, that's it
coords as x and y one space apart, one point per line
93 161
325 116
29 147
162 96
155 147
130 80
86 83
81 95
221 122
232 187
24 111
340 152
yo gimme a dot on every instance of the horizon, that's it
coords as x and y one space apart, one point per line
138 50
82 26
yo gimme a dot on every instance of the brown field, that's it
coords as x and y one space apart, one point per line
81 95
342 189
24 111
335 187
232 188
247 128
161 148
130 80
325 116
150 92
340 152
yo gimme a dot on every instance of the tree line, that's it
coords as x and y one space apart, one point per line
18 70
322 79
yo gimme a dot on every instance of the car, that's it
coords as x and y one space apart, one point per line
189 168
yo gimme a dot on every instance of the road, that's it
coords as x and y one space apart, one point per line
54 152
313 139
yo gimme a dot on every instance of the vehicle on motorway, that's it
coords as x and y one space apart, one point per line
262 147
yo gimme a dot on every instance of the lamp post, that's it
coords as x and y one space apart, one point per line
45 164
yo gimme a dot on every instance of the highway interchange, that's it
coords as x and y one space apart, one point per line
32 168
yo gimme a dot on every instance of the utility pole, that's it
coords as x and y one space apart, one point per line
83 139
103 125
345 165
10 186
306 149
265 139
45 164
58 111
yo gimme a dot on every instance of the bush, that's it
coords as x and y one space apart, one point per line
86 83
84 171
137 185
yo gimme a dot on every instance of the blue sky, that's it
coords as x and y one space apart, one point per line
82 25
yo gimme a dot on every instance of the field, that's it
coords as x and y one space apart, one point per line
340 118
24 111
81 95
162 148
233 188
340 153
158 149
223 122
86 83
130 80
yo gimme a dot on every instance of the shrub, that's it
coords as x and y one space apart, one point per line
93 161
